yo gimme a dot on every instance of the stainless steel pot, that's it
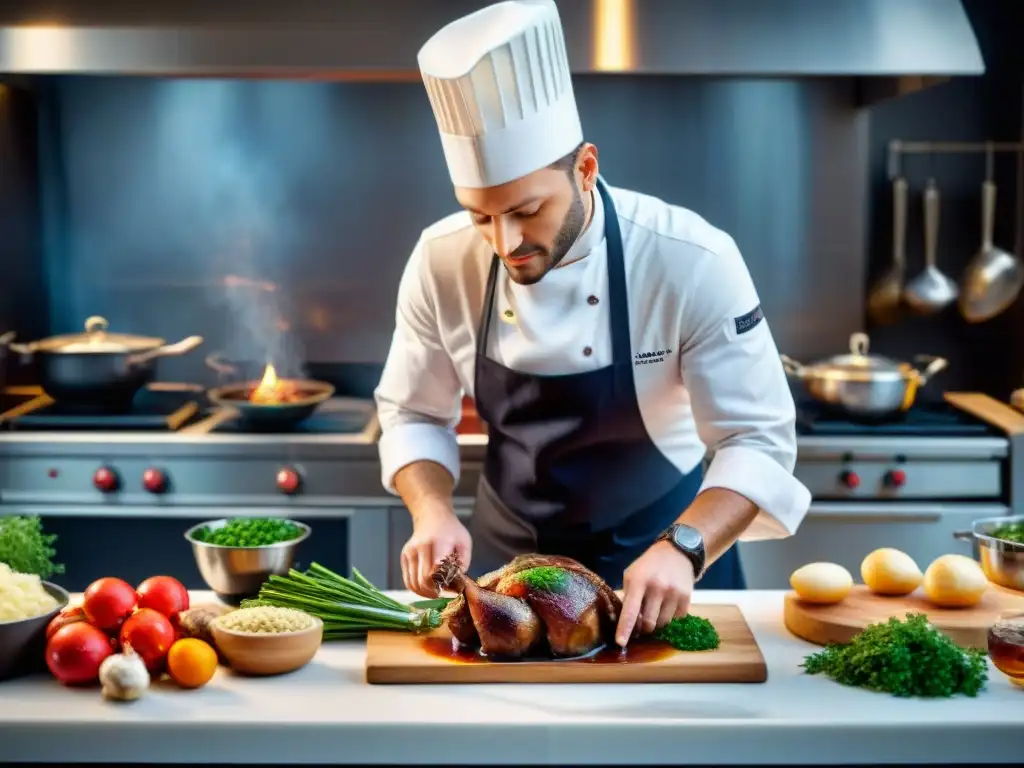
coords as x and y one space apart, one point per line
1001 560
97 367
864 385
237 573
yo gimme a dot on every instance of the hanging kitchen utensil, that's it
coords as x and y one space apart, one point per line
931 291
863 385
98 368
993 278
271 404
886 295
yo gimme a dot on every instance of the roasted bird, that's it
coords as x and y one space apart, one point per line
535 605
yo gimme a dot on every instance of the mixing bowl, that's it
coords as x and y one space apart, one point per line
237 573
23 642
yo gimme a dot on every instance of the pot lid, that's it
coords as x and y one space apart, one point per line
859 361
96 340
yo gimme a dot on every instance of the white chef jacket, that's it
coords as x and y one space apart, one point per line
706 368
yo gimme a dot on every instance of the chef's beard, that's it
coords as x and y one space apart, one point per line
572 225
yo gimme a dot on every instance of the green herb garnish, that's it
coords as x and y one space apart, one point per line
249 532
348 607
550 578
689 633
1014 533
26 548
904 658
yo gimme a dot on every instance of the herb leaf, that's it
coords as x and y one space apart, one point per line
25 548
904 658
689 633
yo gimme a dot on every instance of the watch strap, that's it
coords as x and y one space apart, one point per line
698 557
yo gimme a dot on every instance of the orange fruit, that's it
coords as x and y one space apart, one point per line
191 662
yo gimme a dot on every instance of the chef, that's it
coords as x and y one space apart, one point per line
609 340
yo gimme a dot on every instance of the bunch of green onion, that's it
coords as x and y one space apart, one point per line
349 608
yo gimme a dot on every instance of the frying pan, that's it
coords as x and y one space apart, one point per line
97 368
267 417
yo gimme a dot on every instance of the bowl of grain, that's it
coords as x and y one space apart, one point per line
267 640
27 605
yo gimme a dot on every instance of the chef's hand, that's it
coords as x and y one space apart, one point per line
436 533
657 588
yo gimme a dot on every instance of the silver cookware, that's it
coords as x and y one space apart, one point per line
97 367
863 385
237 573
1001 560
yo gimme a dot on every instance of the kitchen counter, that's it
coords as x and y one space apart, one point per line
326 713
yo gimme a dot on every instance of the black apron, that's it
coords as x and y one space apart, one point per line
570 469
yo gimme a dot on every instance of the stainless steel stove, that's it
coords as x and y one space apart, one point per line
131 483
119 488
908 482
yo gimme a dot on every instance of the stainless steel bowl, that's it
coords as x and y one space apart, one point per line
237 573
23 642
1002 561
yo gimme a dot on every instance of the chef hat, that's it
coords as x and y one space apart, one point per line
499 83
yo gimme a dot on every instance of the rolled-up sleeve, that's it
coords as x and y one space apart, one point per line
740 397
419 393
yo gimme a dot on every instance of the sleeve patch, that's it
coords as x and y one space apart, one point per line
749 321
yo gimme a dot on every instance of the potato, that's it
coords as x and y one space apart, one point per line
889 571
822 583
954 581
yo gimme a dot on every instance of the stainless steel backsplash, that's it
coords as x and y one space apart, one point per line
275 218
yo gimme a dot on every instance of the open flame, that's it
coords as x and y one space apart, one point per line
273 390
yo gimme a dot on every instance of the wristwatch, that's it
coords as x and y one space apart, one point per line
689 541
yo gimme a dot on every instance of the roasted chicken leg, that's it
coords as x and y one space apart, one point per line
535 603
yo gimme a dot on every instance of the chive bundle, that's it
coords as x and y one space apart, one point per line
349 608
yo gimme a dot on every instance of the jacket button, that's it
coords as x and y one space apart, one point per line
592 300
588 351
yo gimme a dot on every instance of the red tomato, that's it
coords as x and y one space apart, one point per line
150 635
108 601
75 652
69 615
163 594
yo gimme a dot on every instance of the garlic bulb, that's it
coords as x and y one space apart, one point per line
124 676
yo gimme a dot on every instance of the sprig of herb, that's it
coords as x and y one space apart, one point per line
26 548
904 658
689 633
349 608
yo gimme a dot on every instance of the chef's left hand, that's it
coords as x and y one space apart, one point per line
657 588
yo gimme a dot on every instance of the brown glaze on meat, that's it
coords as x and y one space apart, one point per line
576 613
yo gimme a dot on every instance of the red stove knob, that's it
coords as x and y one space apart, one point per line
288 480
896 478
154 481
105 479
850 479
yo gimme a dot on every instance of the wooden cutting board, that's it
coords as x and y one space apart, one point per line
826 624
398 657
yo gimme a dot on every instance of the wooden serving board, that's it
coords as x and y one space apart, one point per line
399 657
826 624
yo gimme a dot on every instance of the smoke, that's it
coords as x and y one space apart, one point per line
239 216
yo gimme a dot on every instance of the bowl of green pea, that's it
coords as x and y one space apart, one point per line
236 555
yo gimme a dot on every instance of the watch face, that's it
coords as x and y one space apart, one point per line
687 538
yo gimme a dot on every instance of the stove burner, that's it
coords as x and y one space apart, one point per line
333 417
154 408
924 419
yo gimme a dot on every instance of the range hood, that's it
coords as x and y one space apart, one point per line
378 39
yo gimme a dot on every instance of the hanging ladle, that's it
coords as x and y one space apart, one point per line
993 278
885 296
931 291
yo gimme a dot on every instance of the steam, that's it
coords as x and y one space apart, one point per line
240 215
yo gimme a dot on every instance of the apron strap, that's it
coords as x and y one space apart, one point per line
488 313
619 314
